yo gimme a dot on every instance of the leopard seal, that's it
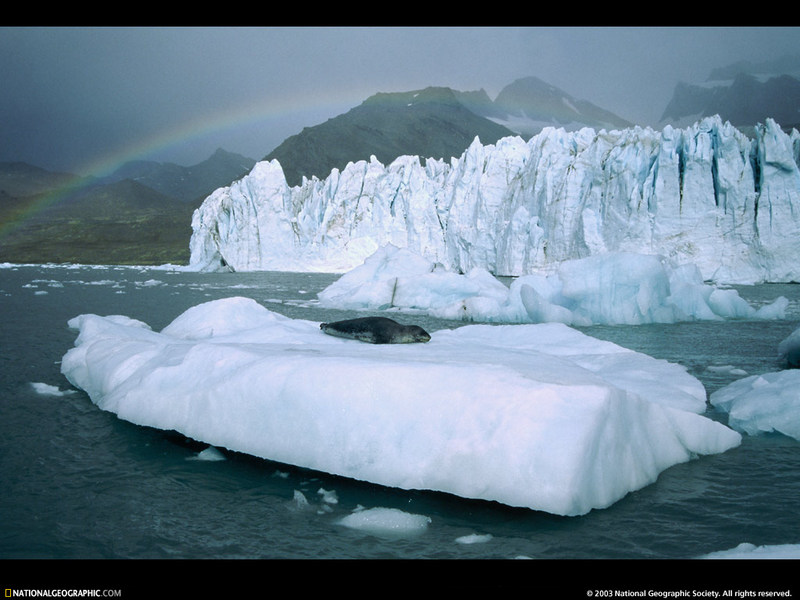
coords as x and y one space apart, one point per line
376 330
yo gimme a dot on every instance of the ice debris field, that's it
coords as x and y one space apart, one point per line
537 415
619 288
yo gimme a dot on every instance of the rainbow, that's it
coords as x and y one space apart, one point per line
242 116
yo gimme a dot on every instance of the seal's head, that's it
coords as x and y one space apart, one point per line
411 334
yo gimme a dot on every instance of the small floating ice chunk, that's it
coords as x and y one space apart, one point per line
386 521
299 501
474 538
209 454
730 369
328 496
45 389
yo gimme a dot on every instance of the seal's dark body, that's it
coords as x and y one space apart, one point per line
376 330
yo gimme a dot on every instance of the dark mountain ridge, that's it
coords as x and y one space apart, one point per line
20 179
186 184
141 214
435 122
429 123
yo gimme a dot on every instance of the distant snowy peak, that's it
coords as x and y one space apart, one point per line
784 65
745 100
525 106
528 105
707 195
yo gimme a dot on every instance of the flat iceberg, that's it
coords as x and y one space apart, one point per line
618 288
538 416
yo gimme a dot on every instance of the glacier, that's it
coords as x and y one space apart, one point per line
538 416
707 195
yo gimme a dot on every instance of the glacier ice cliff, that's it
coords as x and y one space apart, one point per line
707 194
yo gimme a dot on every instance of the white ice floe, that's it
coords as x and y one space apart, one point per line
751 551
614 288
538 416
763 403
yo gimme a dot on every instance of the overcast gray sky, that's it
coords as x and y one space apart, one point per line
87 99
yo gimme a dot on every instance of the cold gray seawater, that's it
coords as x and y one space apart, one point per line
78 482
